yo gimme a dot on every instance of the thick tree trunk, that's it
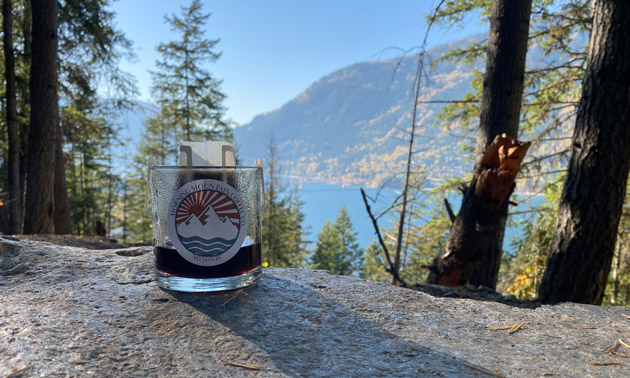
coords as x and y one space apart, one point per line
500 111
505 72
15 190
475 243
476 226
595 188
41 144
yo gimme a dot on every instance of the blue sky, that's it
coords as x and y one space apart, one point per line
274 49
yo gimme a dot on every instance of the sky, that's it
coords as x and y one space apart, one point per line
272 50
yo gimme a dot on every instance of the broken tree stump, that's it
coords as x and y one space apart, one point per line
473 249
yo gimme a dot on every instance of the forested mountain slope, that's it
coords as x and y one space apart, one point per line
351 126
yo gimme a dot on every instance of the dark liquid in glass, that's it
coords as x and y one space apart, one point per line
169 261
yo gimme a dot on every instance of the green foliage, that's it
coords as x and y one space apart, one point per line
190 108
618 289
521 273
159 139
453 13
190 97
135 223
552 84
424 237
374 264
284 237
558 31
90 50
337 249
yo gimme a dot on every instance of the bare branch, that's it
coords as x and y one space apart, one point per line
391 269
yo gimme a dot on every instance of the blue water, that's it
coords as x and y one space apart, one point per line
204 247
323 201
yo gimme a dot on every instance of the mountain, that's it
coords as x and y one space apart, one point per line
212 226
351 126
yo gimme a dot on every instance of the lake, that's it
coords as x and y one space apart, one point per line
323 201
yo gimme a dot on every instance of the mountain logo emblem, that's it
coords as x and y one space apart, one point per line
207 222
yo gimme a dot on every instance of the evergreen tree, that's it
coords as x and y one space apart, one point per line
91 49
323 256
337 249
158 141
595 188
190 107
39 200
283 239
426 225
474 248
374 264
557 32
182 86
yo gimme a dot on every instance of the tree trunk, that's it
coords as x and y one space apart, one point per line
15 190
505 72
475 228
26 98
500 109
41 145
62 215
475 243
595 188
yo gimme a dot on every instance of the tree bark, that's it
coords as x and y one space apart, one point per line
500 109
15 189
474 231
475 242
590 207
26 98
41 145
505 72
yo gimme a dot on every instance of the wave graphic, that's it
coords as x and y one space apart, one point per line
206 247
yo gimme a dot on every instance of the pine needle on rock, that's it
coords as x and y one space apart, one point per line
246 366
485 371
18 371
607 363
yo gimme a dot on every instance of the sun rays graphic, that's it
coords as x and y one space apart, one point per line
198 203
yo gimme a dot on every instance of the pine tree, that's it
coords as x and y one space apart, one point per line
190 107
593 196
283 239
374 264
474 248
337 249
323 256
182 86
39 200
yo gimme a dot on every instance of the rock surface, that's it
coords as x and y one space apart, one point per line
76 312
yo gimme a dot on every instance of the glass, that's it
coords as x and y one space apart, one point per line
206 226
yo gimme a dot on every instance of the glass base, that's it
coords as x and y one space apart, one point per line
196 285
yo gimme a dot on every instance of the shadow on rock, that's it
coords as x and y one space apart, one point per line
306 333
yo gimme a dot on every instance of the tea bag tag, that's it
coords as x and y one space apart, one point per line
207 154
